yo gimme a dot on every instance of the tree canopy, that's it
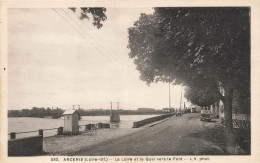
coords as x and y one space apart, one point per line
203 97
191 45
196 47
98 14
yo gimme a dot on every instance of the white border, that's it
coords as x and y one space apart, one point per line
255 60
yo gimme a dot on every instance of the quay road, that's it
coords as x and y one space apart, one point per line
185 135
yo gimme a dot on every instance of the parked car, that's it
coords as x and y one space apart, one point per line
178 114
205 115
188 111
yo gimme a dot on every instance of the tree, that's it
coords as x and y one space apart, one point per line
203 97
14 113
48 111
25 113
98 14
197 47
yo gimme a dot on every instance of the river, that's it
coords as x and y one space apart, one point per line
24 124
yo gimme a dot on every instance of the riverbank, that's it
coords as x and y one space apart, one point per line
25 124
70 144
67 145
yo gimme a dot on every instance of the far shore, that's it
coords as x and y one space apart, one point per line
49 117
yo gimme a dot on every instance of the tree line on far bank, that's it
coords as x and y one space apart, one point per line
36 112
57 112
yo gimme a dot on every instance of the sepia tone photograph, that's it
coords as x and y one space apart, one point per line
111 81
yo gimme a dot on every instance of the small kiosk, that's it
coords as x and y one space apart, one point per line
71 118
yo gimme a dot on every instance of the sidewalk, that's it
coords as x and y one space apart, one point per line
67 144
63 145
242 144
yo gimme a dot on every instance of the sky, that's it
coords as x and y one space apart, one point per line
57 60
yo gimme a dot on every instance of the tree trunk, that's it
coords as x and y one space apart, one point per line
230 137
217 109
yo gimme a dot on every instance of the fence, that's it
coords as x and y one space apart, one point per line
33 145
241 121
150 120
13 135
242 129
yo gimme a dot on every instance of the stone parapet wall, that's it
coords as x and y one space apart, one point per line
150 120
29 146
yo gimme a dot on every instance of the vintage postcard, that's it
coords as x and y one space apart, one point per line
129 81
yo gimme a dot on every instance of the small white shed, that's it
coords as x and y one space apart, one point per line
71 118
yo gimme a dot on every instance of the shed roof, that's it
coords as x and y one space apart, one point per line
69 112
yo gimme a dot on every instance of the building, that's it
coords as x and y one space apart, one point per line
168 110
146 109
194 108
71 118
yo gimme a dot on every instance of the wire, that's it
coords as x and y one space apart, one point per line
68 22
97 43
81 33
108 57
109 49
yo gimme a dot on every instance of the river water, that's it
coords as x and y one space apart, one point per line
24 124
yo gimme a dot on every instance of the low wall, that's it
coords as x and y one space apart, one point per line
29 146
94 126
150 120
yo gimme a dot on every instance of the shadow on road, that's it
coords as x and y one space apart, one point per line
215 135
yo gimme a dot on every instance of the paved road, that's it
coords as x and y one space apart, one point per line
185 135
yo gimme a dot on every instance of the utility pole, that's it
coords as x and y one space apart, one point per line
117 105
169 95
79 106
181 98
111 104
73 107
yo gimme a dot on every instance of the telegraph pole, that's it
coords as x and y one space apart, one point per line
181 98
169 95
111 104
117 105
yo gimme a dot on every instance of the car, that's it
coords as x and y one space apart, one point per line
178 114
205 115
